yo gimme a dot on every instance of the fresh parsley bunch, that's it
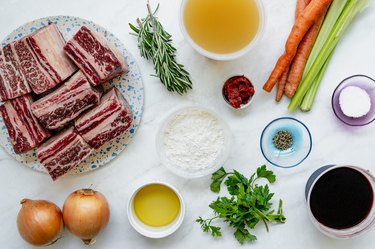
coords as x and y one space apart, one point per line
249 203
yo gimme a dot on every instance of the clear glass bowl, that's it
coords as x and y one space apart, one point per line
365 83
357 230
296 153
194 173
229 56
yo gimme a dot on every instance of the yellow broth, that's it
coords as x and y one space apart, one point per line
221 26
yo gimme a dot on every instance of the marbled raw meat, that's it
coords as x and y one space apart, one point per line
63 152
38 78
111 118
24 130
98 60
66 103
13 83
48 44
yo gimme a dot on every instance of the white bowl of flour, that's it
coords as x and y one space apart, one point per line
193 142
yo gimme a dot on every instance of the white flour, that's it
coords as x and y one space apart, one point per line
193 140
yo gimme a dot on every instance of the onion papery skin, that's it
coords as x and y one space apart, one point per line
86 213
40 222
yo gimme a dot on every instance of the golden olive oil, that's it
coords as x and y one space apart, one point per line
221 26
156 205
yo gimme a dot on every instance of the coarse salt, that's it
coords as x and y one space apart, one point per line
354 102
193 140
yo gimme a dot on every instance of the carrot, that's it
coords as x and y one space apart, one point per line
281 85
308 17
299 61
300 6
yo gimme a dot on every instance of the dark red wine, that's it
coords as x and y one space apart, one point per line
341 198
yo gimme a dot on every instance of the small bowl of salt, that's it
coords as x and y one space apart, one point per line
193 142
353 101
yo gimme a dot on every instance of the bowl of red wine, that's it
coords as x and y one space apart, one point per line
340 200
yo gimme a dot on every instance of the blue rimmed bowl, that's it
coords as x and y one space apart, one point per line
298 151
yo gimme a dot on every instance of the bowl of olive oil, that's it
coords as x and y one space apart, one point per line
222 29
156 209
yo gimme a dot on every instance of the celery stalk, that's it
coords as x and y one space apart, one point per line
329 21
351 9
308 99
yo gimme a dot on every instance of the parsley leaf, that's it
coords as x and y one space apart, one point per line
262 172
247 205
243 235
235 181
215 231
207 228
217 178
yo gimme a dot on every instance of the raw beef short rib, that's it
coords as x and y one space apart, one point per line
111 118
95 57
63 152
38 78
48 44
13 83
24 130
67 102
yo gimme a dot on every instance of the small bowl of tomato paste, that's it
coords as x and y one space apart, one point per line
238 92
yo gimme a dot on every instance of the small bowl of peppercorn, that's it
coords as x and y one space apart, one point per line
238 92
286 142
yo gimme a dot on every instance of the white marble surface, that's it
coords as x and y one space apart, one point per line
333 142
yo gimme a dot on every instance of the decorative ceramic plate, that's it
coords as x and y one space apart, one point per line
130 85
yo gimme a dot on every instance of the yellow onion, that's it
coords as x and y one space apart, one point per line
86 214
39 222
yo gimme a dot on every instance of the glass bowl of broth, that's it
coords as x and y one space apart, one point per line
222 29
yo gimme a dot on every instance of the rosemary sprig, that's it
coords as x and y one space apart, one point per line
155 43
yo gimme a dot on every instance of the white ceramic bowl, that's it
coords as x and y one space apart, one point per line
155 232
218 162
229 56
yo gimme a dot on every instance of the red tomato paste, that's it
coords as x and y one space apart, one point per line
238 91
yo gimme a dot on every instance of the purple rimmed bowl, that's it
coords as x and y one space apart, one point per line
364 82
